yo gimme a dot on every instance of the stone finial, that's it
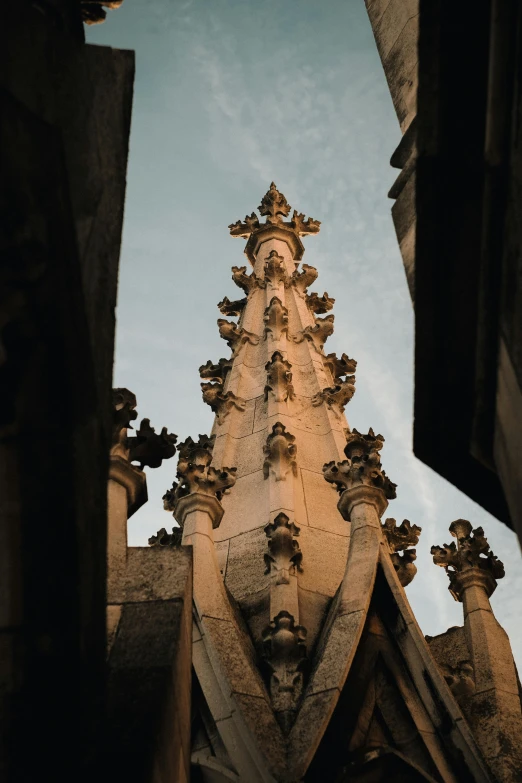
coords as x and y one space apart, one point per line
279 378
340 367
195 473
149 448
317 334
468 561
274 207
336 397
232 308
274 270
280 453
123 412
363 466
301 280
93 11
234 336
162 538
221 404
285 655
284 556
247 283
216 372
319 304
399 539
275 319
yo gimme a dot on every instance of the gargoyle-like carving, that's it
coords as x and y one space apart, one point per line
301 280
149 448
93 11
279 378
319 304
216 372
336 397
221 404
274 270
284 555
362 466
234 336
123 412
246 282
285 654
162 538
461 679
275 207
317 334
404 565
232 308
280 452
400 538
196 475
470 552
275 319
340 367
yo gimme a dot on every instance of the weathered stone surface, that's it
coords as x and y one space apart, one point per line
328 553
246 574
321 504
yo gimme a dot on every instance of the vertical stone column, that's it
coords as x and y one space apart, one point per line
493 709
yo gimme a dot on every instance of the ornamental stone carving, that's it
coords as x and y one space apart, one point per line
284 556
234 336
319 304
275 207
150 448
246 282
216 372
301 280
275 319
461 679
221 404
195 473
123 412
279 378
362 466
285 654
470 561
399 539
93 11
274 270
232 308
340 367
280 453
162 538
336 397
318 334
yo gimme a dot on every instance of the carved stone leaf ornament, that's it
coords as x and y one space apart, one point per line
401 537
150 448
317 334
234 336
246 282
279 378
285 654
221 404
319 304
232 308
123 412
216 372
274 270
93 11
362 466
275 319
336 397
340 367
280 453
301 280
162 538
284 556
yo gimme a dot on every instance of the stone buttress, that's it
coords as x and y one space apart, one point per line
308 661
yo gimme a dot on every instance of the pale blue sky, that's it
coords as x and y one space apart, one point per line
229 95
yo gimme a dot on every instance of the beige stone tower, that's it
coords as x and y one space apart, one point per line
308 661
